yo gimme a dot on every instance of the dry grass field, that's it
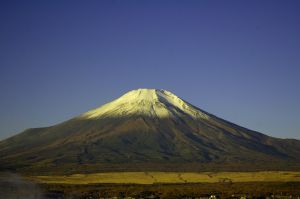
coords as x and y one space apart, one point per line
170 177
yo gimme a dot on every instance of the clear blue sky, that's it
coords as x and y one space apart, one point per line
239 60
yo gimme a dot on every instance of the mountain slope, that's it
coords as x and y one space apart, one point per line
145 128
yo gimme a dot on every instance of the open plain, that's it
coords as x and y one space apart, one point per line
170 177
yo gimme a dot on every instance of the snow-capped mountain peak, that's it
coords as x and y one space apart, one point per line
146 102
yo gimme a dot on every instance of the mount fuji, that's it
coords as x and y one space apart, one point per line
146 129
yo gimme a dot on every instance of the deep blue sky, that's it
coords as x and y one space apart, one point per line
239 60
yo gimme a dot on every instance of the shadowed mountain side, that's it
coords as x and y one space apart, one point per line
147 130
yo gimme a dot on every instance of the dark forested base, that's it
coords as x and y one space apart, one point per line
68 169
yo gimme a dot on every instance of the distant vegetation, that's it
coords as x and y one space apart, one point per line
278 190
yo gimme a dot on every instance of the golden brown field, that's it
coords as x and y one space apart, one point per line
170 177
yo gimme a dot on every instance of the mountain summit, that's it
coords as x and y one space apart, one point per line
146 102
146 129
